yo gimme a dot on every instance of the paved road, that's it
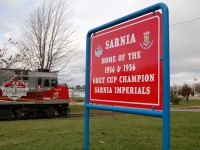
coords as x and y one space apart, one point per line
189 109
81 103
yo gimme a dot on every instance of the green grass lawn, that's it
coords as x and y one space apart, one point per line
76 108
80 109
77 99
123 132
186 104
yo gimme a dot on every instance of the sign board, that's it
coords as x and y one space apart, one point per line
126 64
14 89
127 67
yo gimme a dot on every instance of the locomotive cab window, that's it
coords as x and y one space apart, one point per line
53 83
46 83
39 81
25 79
17 73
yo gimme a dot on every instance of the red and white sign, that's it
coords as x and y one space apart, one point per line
126 66
14 89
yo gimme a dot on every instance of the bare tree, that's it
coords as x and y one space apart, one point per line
47 39
8 60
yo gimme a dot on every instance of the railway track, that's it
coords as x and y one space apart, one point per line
91 114
72 115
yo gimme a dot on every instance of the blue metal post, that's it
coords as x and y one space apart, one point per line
87 79
86 129
166 71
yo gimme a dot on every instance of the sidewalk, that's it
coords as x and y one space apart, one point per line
77 103
188 109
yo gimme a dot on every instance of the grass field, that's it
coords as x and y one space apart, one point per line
186 104
121 132
80 108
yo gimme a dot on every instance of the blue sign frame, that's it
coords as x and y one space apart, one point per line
165 113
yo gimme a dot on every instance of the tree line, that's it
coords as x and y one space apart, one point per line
46 40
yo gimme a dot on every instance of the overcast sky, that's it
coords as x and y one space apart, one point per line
87 14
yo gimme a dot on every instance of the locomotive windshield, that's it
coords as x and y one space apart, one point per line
54 82
46 82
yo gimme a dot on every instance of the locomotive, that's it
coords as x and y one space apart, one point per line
32 94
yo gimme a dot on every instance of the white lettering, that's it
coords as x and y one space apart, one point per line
132 39
103 90
98 80
137 78
116 42
111 79
132 90
108 60
107 45
120 41
134 55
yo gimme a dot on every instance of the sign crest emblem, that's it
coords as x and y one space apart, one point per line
147 43
146 38
98 51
